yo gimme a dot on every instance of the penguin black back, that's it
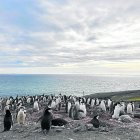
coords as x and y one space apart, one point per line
7 121
59 122
46 120
95 122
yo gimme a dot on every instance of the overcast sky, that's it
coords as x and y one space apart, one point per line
70 36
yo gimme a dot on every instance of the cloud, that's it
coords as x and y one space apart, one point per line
72 34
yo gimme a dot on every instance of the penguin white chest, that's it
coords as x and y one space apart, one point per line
21 117
83 108
102 106
129 109
116 112
36 106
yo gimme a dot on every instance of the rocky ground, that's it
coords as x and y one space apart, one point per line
75 130
130 95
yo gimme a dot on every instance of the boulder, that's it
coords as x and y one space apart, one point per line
125 118
137 115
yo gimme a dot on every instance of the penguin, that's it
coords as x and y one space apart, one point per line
32 100
7 107
73 99
58 103
70 112
133 106
8 102
92 103
84 99
28 100
20 101
129 108
102 106
122 107
46 120
88 101
83 111
1 103
95 122
97 101
59 122
53 104
117 111
8 121
76 113
19 106
68 106
44 99
21 116
109 102
65 98
77 104
36 106
36 97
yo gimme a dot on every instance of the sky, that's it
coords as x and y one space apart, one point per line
99 37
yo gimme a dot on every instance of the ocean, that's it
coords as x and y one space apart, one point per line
12 85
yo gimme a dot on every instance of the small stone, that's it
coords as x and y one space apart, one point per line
89 126
59 130
80 128
104 129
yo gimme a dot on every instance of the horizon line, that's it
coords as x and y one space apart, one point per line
122 75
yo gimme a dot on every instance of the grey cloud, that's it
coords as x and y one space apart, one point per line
95 31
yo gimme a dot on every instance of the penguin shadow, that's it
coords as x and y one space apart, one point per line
52 132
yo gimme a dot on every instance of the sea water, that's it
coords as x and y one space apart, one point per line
12 85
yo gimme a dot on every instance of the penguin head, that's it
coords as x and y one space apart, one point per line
47 109
96 117
22 108
36 100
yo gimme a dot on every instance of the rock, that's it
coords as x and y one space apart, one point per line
136 115
30 111
80 128
125 118
104 129
59 130
89 126
137 110
104 123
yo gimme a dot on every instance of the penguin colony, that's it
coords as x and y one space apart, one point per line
75 107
